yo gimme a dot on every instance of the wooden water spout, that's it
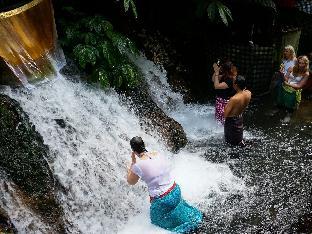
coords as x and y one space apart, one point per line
28 35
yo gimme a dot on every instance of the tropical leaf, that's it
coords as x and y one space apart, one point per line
217 10
127 4
212 11
85 54
133 8
72 32
101 76
117 78
97 24
91 38
225 14
110 53
130 75
123 43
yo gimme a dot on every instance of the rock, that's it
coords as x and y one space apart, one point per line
6 225
7 77
152 116
23 158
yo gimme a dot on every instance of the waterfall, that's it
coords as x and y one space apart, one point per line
90 153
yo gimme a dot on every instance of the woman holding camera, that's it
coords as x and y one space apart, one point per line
222 78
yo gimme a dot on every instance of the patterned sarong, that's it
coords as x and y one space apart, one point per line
220 105
171 212
289 97
233 130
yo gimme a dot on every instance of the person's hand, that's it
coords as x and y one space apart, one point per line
216 68
133 157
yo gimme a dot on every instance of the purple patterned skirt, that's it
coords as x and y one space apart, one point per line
220 105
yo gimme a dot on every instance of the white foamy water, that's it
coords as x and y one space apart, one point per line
91 154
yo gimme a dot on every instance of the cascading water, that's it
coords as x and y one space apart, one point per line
88 131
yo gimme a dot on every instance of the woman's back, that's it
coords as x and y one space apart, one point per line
155 171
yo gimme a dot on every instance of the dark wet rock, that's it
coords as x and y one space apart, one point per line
152 116
6 226
60 122
23 158
71 70
161 50
7 77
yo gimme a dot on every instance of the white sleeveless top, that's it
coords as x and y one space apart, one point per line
288 64
294 79
155 172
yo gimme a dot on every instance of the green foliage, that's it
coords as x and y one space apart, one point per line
100 51
130 4
217 11
85 54
101 76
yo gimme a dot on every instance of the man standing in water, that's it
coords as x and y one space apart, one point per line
233 126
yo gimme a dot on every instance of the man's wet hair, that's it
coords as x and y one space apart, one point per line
137 144
240 81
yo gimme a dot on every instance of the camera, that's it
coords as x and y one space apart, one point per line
218 62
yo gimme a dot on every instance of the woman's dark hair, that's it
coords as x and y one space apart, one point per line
240 81
137 145
228 69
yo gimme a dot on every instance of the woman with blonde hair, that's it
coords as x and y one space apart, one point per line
289 95
288 62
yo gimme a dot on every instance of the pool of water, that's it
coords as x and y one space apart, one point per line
275 166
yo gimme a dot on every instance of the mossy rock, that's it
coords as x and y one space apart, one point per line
23 158
156 120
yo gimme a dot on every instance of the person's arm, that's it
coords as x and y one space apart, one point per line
132 178
301 83
216 70
218 85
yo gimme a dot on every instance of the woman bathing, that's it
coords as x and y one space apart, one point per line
168 210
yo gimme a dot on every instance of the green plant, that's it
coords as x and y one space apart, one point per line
218 11
100 51
130 4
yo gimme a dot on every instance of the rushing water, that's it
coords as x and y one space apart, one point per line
263 188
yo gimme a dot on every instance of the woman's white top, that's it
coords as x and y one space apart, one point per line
294 79
155 172
288 64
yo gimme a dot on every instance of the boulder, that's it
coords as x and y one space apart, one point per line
155 119
23 158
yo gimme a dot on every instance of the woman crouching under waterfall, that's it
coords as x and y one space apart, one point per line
168 210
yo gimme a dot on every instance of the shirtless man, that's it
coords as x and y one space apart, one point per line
233 126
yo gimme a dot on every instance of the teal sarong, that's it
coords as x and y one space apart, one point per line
171 212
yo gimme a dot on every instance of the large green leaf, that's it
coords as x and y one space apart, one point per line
72 33
91 38
128 4
217 10
97 24
130 75
85 54
123 43
101 76
109 52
